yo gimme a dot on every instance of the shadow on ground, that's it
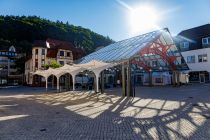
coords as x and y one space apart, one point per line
153 114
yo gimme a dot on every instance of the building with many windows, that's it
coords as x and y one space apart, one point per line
8 72
43 52
195 48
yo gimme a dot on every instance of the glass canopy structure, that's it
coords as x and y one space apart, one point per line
151 54
154 51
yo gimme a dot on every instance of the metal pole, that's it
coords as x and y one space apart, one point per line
123 81
134 83
150 78
46 83
73 81
102 82
53 82
129 85
58 84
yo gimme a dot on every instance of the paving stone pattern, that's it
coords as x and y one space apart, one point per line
160 113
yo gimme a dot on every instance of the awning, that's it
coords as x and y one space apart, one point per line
94 66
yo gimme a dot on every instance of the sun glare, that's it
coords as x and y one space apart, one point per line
143 19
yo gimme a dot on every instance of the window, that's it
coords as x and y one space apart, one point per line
185 45
154 63
61 53
61 62
202 58
43 51
147 63
158 80
68 54
36 51
205 58
191 59
36 64
43 62
206 41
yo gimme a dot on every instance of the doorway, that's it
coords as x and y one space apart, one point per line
202 78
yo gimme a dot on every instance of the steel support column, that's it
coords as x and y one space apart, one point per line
123 81
97 83
175 78
150 78
102 82
128 80
58 82
46 86
69 86
53 82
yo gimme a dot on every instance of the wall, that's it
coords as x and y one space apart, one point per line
202 66
65 59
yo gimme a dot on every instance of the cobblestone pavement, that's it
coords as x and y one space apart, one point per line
156 113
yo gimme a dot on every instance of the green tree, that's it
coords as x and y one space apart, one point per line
20 64
53 64
22 31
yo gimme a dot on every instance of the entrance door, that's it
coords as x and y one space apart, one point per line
202 78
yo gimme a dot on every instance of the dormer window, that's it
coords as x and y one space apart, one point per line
185 45
206 41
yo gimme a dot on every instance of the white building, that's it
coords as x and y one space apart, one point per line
199 64
8 71
195 48
43 53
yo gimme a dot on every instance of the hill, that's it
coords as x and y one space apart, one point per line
22 31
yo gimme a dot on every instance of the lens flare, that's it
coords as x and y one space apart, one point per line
143 19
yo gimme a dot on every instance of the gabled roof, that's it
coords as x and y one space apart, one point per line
124 49
40 43
55 45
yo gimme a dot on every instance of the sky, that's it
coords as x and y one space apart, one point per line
113 17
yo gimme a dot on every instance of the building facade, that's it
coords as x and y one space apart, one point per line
8 71
43 52
194 45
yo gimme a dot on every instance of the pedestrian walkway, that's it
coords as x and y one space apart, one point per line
156 113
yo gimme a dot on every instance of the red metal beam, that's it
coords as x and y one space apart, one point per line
157 49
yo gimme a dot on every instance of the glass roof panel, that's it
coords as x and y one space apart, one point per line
123 49
129 48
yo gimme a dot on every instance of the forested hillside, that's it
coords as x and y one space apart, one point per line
22 31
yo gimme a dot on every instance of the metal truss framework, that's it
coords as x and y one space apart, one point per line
165 55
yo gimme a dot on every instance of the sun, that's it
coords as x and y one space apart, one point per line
143 19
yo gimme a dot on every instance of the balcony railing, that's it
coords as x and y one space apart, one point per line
64 57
